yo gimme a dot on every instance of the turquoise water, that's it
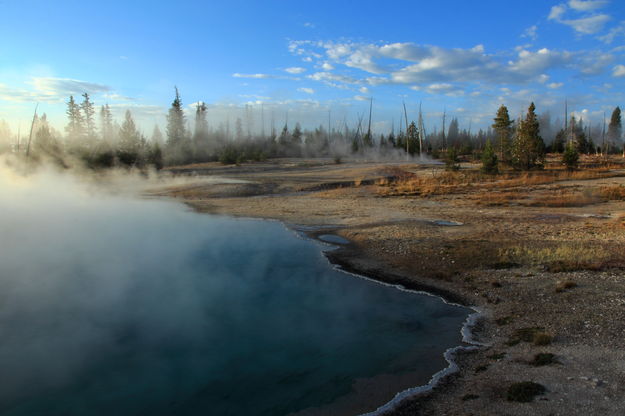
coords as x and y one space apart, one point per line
137 307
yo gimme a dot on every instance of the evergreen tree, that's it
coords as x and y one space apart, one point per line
106 123
451 160
75 124
44 142
176 130
88 113
528 149
157 136
489 159
155 156
453 134
129 145
578 136
570 157
200 134
559 142
615 130
413 139
503 130
179 148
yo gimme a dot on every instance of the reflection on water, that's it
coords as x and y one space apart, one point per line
134 307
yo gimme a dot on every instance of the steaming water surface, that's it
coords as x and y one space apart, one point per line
116 305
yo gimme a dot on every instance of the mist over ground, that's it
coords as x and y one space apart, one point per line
73 256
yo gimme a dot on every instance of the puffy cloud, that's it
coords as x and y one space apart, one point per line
306 90
295 70
618 71
555 85
587 24
409 63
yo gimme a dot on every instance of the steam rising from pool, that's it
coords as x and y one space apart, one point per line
114 304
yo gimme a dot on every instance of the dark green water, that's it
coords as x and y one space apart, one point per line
131 307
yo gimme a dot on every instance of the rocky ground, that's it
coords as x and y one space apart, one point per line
543 260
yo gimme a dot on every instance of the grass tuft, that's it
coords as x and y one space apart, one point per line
543 358
567 284
525 391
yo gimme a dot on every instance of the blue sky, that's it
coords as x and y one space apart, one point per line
465 57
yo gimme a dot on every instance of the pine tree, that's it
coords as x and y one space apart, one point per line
413 139
157 136
615 130
88 113
503 130
129 141
75 125
200 134
106 123
453 134
44 142
559 142
570 157
451 159
528 149
179 148
176 131
489 159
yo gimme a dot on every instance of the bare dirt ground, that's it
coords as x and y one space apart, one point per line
540 254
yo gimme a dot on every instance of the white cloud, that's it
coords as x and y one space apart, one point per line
444 88
306 90
361 98
557 12
329 76
618 71
295 70
309 25
588 25
531 33
256 76
67 86
364 90
615 32
326 66
555 85
118 97
587 5
408 63
50 89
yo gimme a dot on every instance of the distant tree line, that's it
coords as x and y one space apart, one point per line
94 137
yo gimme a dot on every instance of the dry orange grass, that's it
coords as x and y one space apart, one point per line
497 198
405 183
563 199
612 193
